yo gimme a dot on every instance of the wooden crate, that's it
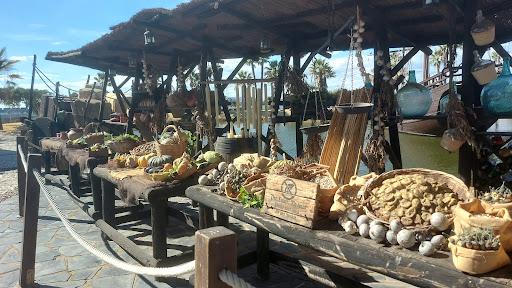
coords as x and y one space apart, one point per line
292 200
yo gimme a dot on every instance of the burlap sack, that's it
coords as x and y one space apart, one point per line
478 261
465 217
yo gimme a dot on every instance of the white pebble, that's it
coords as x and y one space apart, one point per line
364 230
426 248
391 237
363 219
377 233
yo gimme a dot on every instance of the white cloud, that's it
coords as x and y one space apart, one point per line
59 42
19 58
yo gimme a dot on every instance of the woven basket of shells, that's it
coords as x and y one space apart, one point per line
412 196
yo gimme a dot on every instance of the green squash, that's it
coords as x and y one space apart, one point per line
158 161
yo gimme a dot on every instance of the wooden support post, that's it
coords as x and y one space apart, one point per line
263 253
468 95
28 249
57 85
103 95
205 217
108 202
222 219
118 92
31 97
74 178
215 250
159 222
20 141
217 75
298 134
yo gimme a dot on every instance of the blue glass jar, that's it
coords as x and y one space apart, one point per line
443 103
413 99
496 97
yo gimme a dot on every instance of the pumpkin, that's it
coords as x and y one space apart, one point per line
158 161
143 160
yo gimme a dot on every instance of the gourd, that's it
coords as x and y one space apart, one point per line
158 161
426 248
364 230
439 221
438 241
406 238
131 161
377 233
363 219
211 156
143 160
391 237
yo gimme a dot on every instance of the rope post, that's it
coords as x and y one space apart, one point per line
28 249
21 142
215 250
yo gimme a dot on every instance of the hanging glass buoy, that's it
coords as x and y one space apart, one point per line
496 96
413 99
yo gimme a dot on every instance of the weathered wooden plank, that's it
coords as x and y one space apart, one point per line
408 266
289 217
28 249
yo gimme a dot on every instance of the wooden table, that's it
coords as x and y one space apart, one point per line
405 265
104 201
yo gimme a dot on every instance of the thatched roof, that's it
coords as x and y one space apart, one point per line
234 29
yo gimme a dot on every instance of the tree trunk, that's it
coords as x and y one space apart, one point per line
1 126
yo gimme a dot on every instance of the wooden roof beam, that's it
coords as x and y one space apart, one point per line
190 35
327 43
404 60
390 27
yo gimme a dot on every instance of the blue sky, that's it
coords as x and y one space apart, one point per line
36 27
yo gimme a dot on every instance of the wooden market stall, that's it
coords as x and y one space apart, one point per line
157 42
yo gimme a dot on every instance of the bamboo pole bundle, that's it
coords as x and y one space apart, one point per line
344 142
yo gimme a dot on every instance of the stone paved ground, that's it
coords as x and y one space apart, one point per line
8 175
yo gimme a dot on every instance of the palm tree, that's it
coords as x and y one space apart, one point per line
321 71
243 75
251 63
438 58
496 57
272 69
6 66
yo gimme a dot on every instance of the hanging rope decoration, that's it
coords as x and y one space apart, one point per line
456 112
149 79
202 123
274 142
179 76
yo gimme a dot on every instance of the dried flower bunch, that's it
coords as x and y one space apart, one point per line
313 148
295 169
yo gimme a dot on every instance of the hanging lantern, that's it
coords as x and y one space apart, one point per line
149 38
265 46
132 62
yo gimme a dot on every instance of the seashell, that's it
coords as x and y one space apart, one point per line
410 212
404 203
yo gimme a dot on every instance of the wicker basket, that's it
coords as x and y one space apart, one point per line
454 183
175 150
91 137
121 146
144 149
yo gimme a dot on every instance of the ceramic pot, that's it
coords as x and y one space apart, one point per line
483 31
483 70
496 97
413 99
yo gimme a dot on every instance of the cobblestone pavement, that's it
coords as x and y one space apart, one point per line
8 174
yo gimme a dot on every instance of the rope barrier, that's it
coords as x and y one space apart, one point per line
45 82
53 82
137 269
225 275
232 280
34 146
